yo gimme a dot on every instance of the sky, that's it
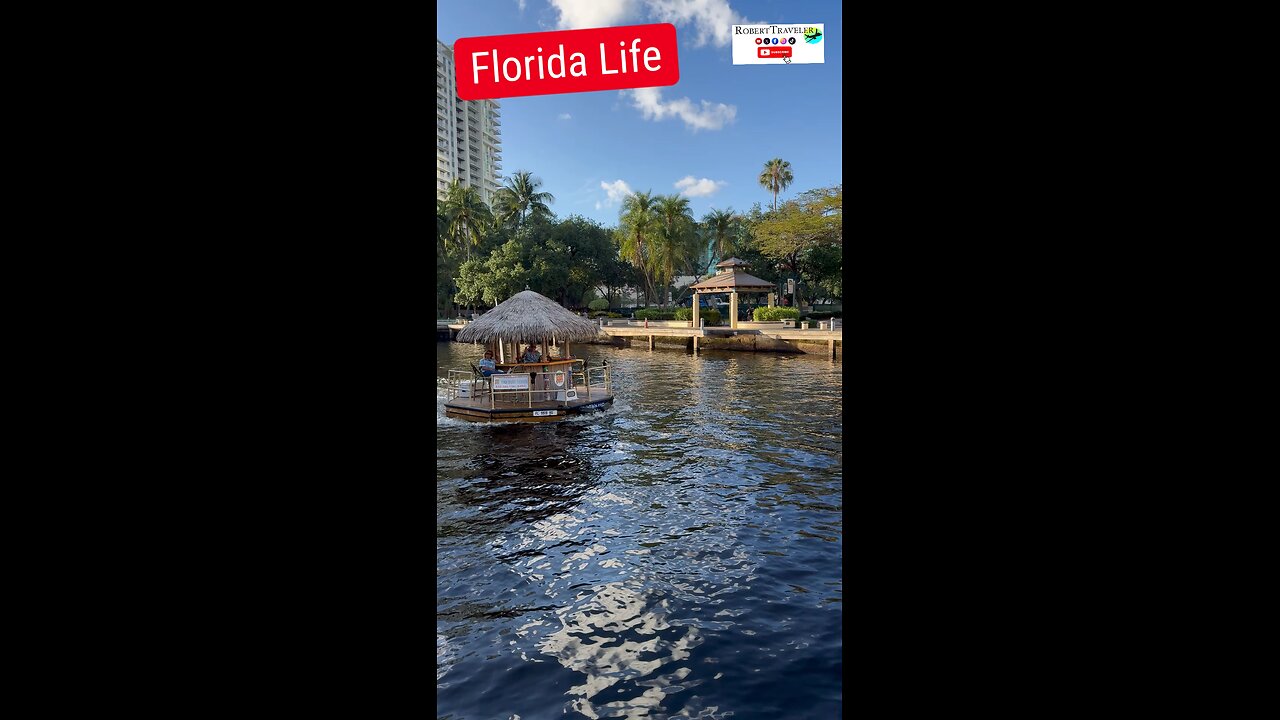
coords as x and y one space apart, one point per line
706 137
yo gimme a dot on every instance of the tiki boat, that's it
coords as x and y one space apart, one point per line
556 386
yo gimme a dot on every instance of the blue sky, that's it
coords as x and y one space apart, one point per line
578 143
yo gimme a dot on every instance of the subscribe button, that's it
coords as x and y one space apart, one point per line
774 52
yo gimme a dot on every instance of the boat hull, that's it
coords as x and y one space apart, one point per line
479 411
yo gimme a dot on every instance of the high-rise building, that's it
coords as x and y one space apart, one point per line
468 134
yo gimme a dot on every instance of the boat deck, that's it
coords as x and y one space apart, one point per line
530 396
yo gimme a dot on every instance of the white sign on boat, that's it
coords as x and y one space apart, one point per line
544 413
510 382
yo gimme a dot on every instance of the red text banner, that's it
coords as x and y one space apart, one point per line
566 61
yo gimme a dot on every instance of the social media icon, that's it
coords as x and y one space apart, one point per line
758 41
791 41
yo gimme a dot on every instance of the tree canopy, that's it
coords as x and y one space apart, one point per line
484 255
806 234
776 177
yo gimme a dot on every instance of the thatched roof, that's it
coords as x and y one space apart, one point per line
732 281
528 317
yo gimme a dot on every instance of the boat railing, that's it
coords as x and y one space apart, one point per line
584 380
454 381
596 378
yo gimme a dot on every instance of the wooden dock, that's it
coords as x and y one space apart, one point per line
625 331
448 328
774 331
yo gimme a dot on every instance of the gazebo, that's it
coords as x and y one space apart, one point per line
730 279
530 318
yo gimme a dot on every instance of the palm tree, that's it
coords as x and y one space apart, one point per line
775 177
720 229
467 217
670 246
519 198
638 224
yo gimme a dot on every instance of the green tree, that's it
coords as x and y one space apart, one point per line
720 227
588 247
493 280
798 236
639 225
776 177
444 273
520 199
467 217
615 273
670 245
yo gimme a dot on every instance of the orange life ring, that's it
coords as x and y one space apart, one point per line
559 378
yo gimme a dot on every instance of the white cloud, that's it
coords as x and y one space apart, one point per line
691 187
617 191
710 116
521 4
565 116
593 13
712 19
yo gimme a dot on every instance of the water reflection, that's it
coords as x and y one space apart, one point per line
676 558
615 634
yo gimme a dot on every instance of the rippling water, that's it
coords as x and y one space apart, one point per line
675 557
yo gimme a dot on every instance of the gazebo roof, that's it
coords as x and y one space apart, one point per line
733 281
528 317
732 262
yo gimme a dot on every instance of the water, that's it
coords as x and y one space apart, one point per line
675 557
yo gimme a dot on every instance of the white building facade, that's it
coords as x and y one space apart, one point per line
468 134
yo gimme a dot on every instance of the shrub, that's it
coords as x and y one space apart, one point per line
771 314
654 314
598 304
712 316
604 314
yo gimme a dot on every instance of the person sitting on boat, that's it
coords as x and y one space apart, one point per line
487 365
531 355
